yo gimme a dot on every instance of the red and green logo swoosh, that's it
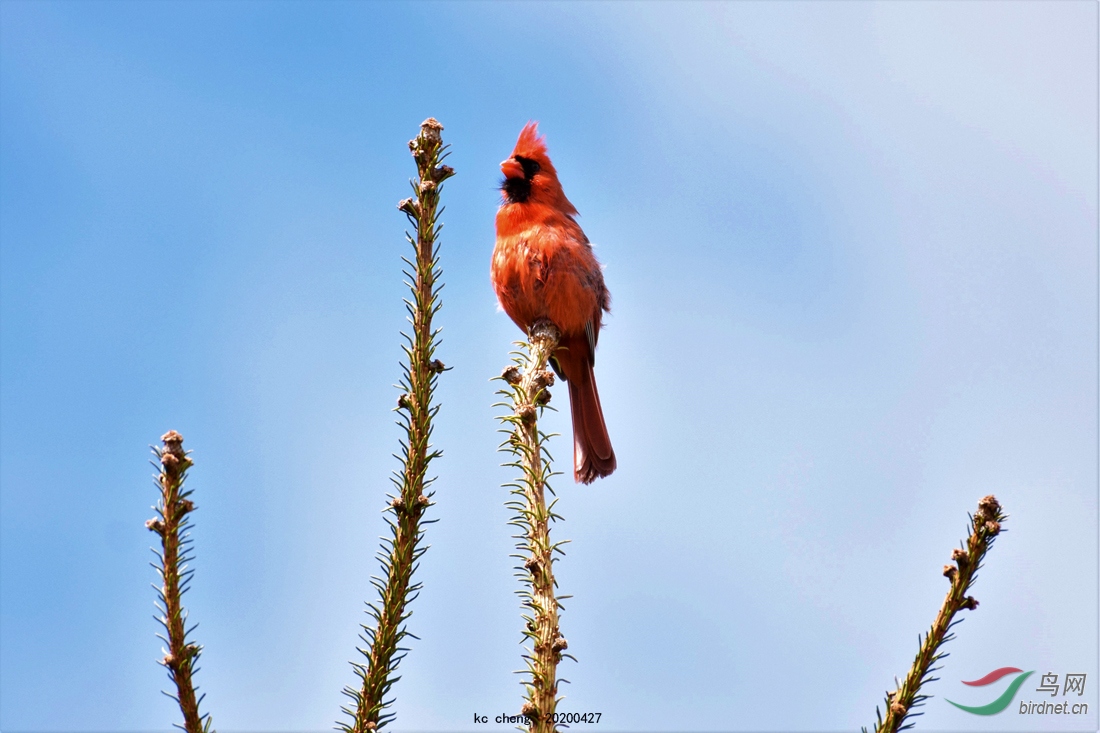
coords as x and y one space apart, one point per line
1001 702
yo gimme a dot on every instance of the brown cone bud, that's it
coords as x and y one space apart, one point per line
989 506
511 375
430 130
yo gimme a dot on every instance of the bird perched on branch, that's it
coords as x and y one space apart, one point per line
544 267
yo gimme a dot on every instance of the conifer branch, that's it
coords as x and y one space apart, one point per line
172 523
402 550
985 525
528 381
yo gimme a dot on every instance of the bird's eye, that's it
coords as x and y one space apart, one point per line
530 167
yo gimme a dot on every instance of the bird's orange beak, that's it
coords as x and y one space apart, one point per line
511 169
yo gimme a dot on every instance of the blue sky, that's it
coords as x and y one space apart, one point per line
852 250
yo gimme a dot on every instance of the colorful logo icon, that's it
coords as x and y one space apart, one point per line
1001 702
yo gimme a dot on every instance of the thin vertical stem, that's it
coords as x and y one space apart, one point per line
171 524
529 380
985 525
401 551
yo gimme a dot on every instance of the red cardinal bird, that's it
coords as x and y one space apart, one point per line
543 267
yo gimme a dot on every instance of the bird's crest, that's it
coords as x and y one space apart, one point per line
545 187
530 144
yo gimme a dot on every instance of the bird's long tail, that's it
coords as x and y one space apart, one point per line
593 456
